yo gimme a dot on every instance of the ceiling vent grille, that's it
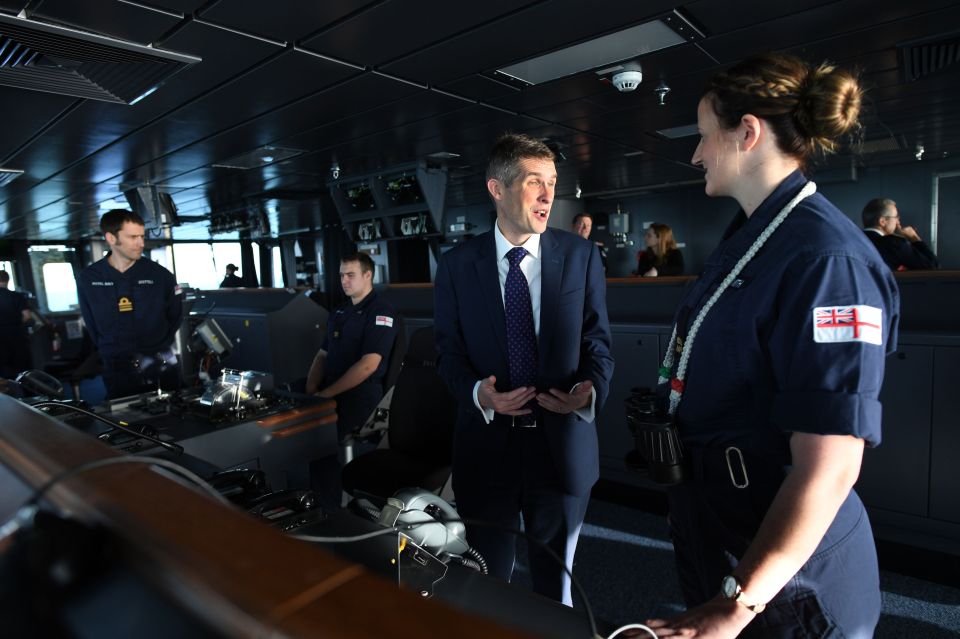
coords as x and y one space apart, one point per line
881 145
922 58
54 59
9 175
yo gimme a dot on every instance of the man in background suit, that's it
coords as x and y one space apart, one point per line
524 345
900 246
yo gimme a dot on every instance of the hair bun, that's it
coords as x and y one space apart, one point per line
828 105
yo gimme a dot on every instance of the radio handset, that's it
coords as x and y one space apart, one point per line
429 521
40 383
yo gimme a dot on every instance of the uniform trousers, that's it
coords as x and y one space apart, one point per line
836 594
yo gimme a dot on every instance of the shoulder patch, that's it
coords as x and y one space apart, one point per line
384 320
858 323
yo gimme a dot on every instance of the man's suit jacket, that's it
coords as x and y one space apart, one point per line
573 346
899 253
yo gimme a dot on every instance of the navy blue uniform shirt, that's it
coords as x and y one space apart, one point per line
797 343
137 311
355 330
12 305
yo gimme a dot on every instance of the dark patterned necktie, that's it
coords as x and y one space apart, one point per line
521 337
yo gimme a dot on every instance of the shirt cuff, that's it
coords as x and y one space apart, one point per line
826 413
486 412
588 413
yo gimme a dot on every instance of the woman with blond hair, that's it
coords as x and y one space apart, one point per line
661 257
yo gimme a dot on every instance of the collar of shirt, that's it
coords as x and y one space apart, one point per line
348 305
873 230
503 245
744 230
530 267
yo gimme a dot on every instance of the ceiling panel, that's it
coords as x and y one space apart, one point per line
285 20
179 6
280 81
848 27
31 117
717 16
13 6
479 87
107 17
394 29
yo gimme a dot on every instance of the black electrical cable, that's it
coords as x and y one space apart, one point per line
206 311
121 426
478 559
469 522
110 461
520 533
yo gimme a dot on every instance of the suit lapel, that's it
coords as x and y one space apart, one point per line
489 280
551 270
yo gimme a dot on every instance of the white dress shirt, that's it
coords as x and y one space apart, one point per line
531 267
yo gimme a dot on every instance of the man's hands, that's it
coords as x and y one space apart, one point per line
557 401
513 402
908 232
509 403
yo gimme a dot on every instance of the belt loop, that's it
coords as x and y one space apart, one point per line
743 467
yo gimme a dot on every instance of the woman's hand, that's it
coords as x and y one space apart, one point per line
651 273
719 618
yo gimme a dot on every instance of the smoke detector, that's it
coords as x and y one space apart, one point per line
629 78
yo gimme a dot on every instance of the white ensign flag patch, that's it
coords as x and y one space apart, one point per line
384 320
848 324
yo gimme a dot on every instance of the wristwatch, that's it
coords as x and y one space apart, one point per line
731 588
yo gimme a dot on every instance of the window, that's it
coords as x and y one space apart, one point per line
8 267
161 255
60 287
52 267
203 266
277 267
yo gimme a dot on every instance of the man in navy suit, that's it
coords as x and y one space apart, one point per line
524 345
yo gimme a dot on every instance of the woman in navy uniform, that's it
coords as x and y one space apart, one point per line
774 371
132 308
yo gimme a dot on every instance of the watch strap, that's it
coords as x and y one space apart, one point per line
740 596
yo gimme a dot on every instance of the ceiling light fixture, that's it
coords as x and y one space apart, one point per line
258 157
679 131
662 90
666 31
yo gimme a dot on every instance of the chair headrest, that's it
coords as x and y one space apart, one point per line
422 351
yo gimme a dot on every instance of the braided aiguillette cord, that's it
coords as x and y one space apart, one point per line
677 383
